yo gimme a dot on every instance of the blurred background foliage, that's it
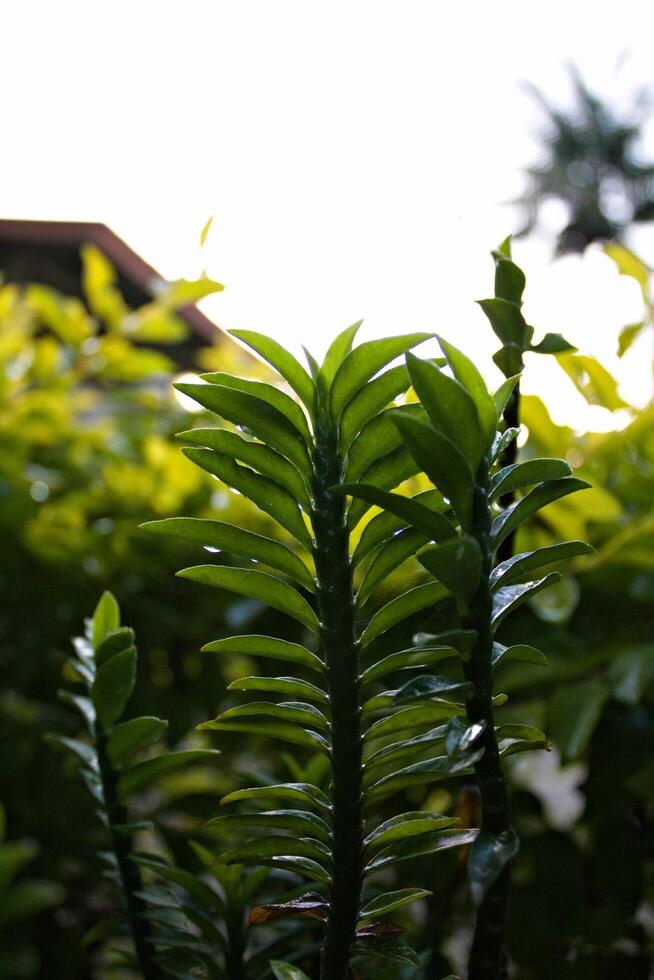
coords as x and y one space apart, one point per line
87 452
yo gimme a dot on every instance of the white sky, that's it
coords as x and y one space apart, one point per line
356 156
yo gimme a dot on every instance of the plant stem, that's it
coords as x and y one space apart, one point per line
341 653
130 876
487 958
511 416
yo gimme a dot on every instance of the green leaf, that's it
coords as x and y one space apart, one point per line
297 864
412 719
509 359
227 537
304 793
133 735
399 608
383 526
112 687
552 343
518 567
372 398
301 714
442 462
338 350
85 707
261 458
546 493
489 855
429 686
105 618
407 825
266 494
82 750
509 279
449 407
520 738
406 659
389 901
422 773
501 442
392 952
266 646
526 474
628 335
244 410
507 321
508 598
467 374
456 563
299 822
377 439
280 730
503 393
428 844
283 362
256 585
407 509
267 393
574 711
390 556
192 883
284 971
114 641
145 772
290 686
268 847
406 749
363 363
520 652
386 473
593 381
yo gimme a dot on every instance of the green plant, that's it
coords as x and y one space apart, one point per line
105 663
297 458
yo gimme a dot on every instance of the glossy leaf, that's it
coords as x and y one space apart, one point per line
422 773
298 822
113 686
553 343
507 599
283 362
289 686
412 719
255 585
405 750
390 557
428 686
526 474
337 351
377 439
507 321
405 659
269 847
131 736
386 473
449 407
519 567
456 563
511 519
268 496
520 738
428 844
502 442
408 509
467 374
285 971
261 458
389 901
304 793
520 652
404 605
364 362
268 647
105 618
489 855
227 537
440 459
392 952
503 393
113 642
406 825
267 393
370 400
283 731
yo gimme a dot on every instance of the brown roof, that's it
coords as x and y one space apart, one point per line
132 269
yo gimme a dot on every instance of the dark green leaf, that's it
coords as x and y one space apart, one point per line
428 844
412 719
299 822
526 474
405 659
261 458
489 855
284 971
389 557
267 847
406 749
507 599
519 738
269 496
227 537
130 736
283 362
145 772
428 686
258 416
267 393
85 707
520 652
372 398
503 393
112 687
407 825
390 951
280 730
467 374
449 407
363 363
501 442
408 509
256 585
442 462
266 646
546 493
509 279
304 793
385 474
518 567
114 641
574 711
82 750
553 343
377 439
290 686
298 712
389 901
507 321
422 773
410 602
456 563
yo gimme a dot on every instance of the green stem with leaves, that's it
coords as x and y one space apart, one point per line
336 607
